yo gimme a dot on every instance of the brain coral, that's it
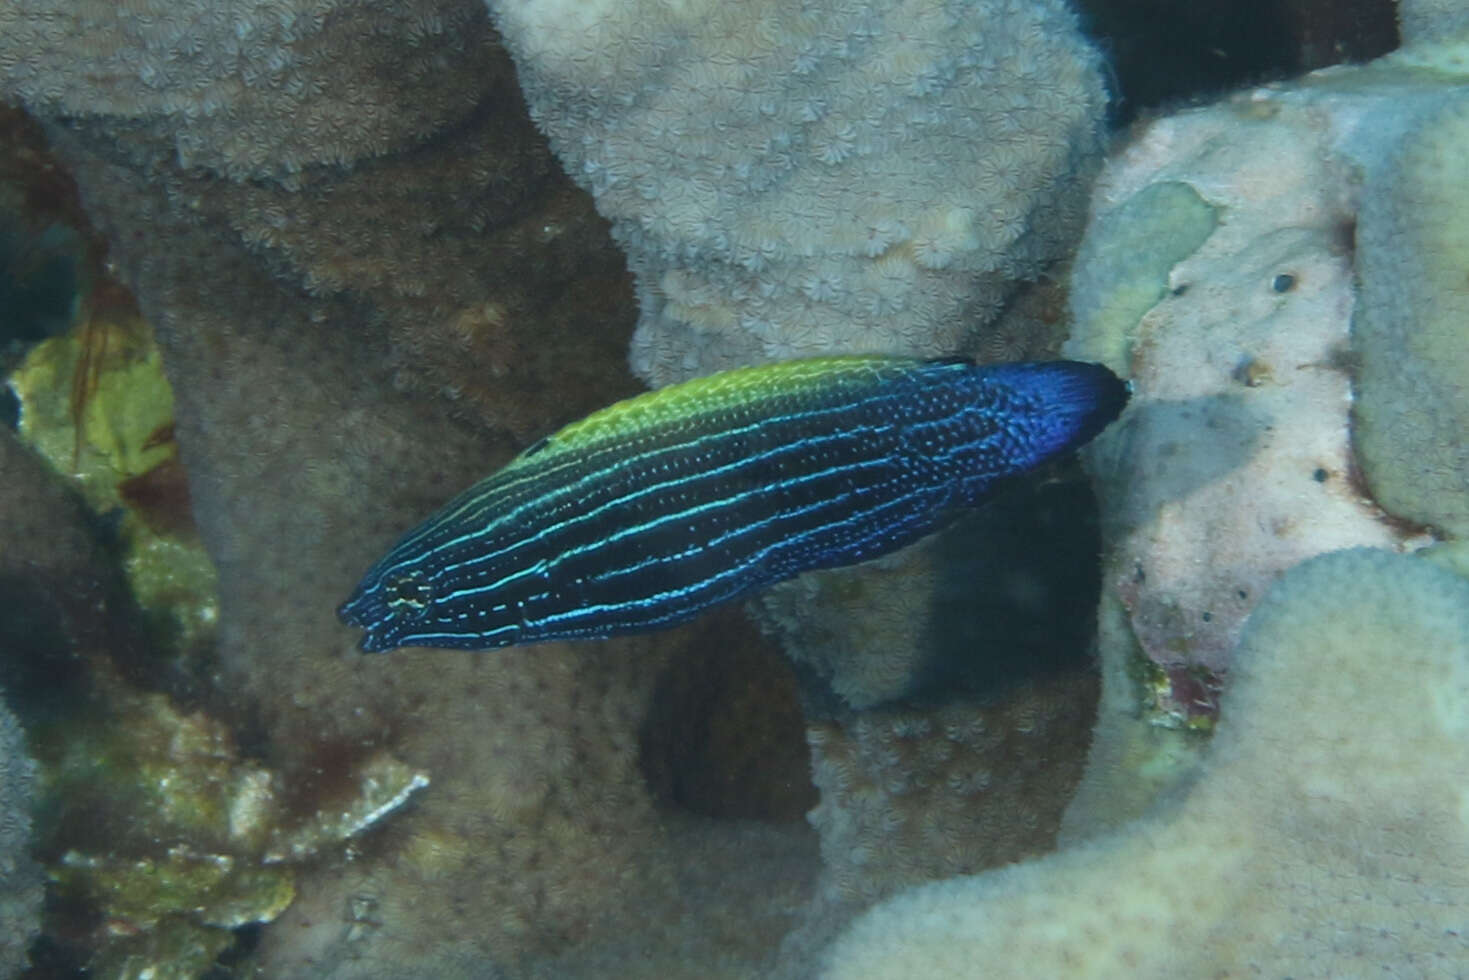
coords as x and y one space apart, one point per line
799 178
1327 837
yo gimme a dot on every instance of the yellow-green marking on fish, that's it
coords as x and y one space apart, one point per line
655 508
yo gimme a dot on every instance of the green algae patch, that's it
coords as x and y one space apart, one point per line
174 839
1122 269
214 888
96 405
177 950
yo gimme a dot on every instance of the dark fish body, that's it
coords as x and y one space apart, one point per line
649 511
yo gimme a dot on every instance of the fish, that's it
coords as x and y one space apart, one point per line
653 509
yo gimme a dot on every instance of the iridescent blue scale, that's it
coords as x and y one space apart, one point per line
655 508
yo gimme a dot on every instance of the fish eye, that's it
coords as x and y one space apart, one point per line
408 593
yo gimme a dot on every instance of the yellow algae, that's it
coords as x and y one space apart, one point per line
96 405
195 840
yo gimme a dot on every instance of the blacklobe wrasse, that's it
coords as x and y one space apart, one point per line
655 508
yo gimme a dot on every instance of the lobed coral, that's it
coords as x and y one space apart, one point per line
836 177
260 89
328 335
1327 836
1412 404
539 840
832 177
1247 341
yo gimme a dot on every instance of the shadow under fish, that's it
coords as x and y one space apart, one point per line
651 510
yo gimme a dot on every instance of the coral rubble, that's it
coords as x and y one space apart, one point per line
193 841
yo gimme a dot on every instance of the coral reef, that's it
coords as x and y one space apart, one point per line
1326 837
911 794
304 464
1413 247
447 215
185 840
369 286
303 324
1432 20
1237 457
95 404
889 775
20 877
840 177
831 177
156 834
1237 446
965 663
259 89
348 348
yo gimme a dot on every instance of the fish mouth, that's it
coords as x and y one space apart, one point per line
375 643
373 618
356 610
386 605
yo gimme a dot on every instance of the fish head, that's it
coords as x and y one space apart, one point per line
390 605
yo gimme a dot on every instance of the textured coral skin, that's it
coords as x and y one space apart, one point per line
836 177
790 180
1298 348
257 89
20 893
1432 20
347 347
1412 406
1235 461
1326 838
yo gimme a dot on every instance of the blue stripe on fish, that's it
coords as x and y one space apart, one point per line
651 510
